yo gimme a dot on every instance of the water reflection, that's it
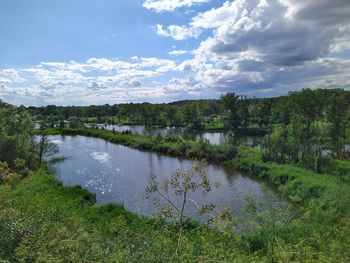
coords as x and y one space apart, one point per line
120 174
213 137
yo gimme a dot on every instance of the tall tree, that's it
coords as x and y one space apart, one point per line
230 103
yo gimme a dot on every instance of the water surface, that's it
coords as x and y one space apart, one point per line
212 137
120 174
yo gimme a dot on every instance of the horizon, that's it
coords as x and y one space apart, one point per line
162 51
165 103
154 103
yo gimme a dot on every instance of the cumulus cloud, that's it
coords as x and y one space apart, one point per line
267 44
170 5
207 20
280 32
94 86
9 76
131 84
178 32
96 79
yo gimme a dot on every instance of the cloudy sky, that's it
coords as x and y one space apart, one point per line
111 51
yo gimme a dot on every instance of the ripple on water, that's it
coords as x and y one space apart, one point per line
82 171
102 157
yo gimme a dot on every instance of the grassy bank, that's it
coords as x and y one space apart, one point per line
171 145
325 197
43 221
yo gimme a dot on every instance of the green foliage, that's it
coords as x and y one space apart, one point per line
43 221
311 129
18 147
323 195
170 144
16 136
233 119
181 183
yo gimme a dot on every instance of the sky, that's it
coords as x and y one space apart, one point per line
115 51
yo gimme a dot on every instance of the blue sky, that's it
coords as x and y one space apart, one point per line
106 51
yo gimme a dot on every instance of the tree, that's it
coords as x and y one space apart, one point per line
45 148
193 117
336 115
233 120
181 183
264 114
243 111
16 136
172 114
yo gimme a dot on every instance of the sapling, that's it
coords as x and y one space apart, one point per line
182 184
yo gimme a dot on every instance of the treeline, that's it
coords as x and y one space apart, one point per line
229 112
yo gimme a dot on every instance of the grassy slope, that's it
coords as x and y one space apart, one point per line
326 196
41 220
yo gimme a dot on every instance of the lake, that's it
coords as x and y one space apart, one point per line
119 174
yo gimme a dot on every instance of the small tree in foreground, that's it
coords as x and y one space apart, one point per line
45 148
181 183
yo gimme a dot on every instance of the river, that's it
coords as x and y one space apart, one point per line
119 174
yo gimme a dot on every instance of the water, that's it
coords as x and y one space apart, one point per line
120 174
213 137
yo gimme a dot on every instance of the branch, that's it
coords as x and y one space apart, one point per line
194 202
167 199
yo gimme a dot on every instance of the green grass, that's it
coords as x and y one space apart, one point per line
326 196
43 221
170 145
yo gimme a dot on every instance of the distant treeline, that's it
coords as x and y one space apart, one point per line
229 112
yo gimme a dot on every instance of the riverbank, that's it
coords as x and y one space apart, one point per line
323 200
170 145
325 194
43 221
213 127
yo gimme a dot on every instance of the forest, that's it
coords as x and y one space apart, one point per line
304 152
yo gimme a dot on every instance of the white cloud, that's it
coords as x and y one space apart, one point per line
170 5
10 75
98 80
178 32
268 44
207 20
94 86
215 17
178 52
